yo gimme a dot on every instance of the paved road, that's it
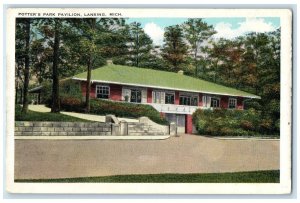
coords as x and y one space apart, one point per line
185 154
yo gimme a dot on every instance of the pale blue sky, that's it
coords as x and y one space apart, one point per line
164 22
226 27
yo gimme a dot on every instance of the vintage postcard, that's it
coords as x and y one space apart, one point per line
149 101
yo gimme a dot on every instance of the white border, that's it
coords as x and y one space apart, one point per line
283 187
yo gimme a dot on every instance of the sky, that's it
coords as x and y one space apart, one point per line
228 28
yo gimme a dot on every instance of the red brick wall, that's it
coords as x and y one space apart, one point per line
189 124
93 89
177 97
224 102
149 95
240 103
200 102
115 92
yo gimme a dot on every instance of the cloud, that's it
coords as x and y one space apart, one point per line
225 30
155 32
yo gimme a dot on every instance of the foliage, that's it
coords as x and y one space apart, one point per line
66 87
174 50
120 109
138 45
222 122
272 176
38 116
197 32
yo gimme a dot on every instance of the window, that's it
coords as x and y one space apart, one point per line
188 100
102 91
194 101
157 97
232 103
136 96
169 98
215 102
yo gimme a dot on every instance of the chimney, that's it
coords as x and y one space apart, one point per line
180 72
109 62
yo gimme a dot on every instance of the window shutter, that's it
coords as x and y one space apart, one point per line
144 95
204 103
208 101
162 97
153 97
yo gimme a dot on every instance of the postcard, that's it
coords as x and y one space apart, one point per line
148 101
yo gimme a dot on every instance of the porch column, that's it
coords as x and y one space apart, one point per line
189 124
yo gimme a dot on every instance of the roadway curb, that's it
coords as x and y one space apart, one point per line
91 137
246 138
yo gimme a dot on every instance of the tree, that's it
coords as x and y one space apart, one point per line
23 59
93 35
197 33
138 46
174 50
55 75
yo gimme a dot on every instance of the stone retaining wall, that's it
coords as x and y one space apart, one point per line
36 128
112 126
143 129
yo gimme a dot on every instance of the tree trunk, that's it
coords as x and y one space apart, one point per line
21 96
89 68
88 84
26 70
55 108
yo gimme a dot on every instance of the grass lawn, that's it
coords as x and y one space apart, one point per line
39 116
271 176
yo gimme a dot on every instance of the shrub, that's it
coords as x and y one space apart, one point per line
120 109
247 125
266 125
222 122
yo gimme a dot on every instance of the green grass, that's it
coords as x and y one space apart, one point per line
39 116
155 78
271 176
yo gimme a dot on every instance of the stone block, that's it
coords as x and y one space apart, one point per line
62 133
50 129
26 133
37 124
64 124
98 129
46 124
59 129
36 133
83 129
172 129
79 125
68 129
56 124
18 133
76 129
19 123
28 129
54 133
101 133
45 133
71 133
106 129
39 129
27 124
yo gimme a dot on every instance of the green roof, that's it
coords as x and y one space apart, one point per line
128 75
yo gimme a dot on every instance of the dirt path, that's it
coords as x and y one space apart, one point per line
185 154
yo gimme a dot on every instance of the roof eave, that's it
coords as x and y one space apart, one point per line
168 88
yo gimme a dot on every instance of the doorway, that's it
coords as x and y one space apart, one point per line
179 119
